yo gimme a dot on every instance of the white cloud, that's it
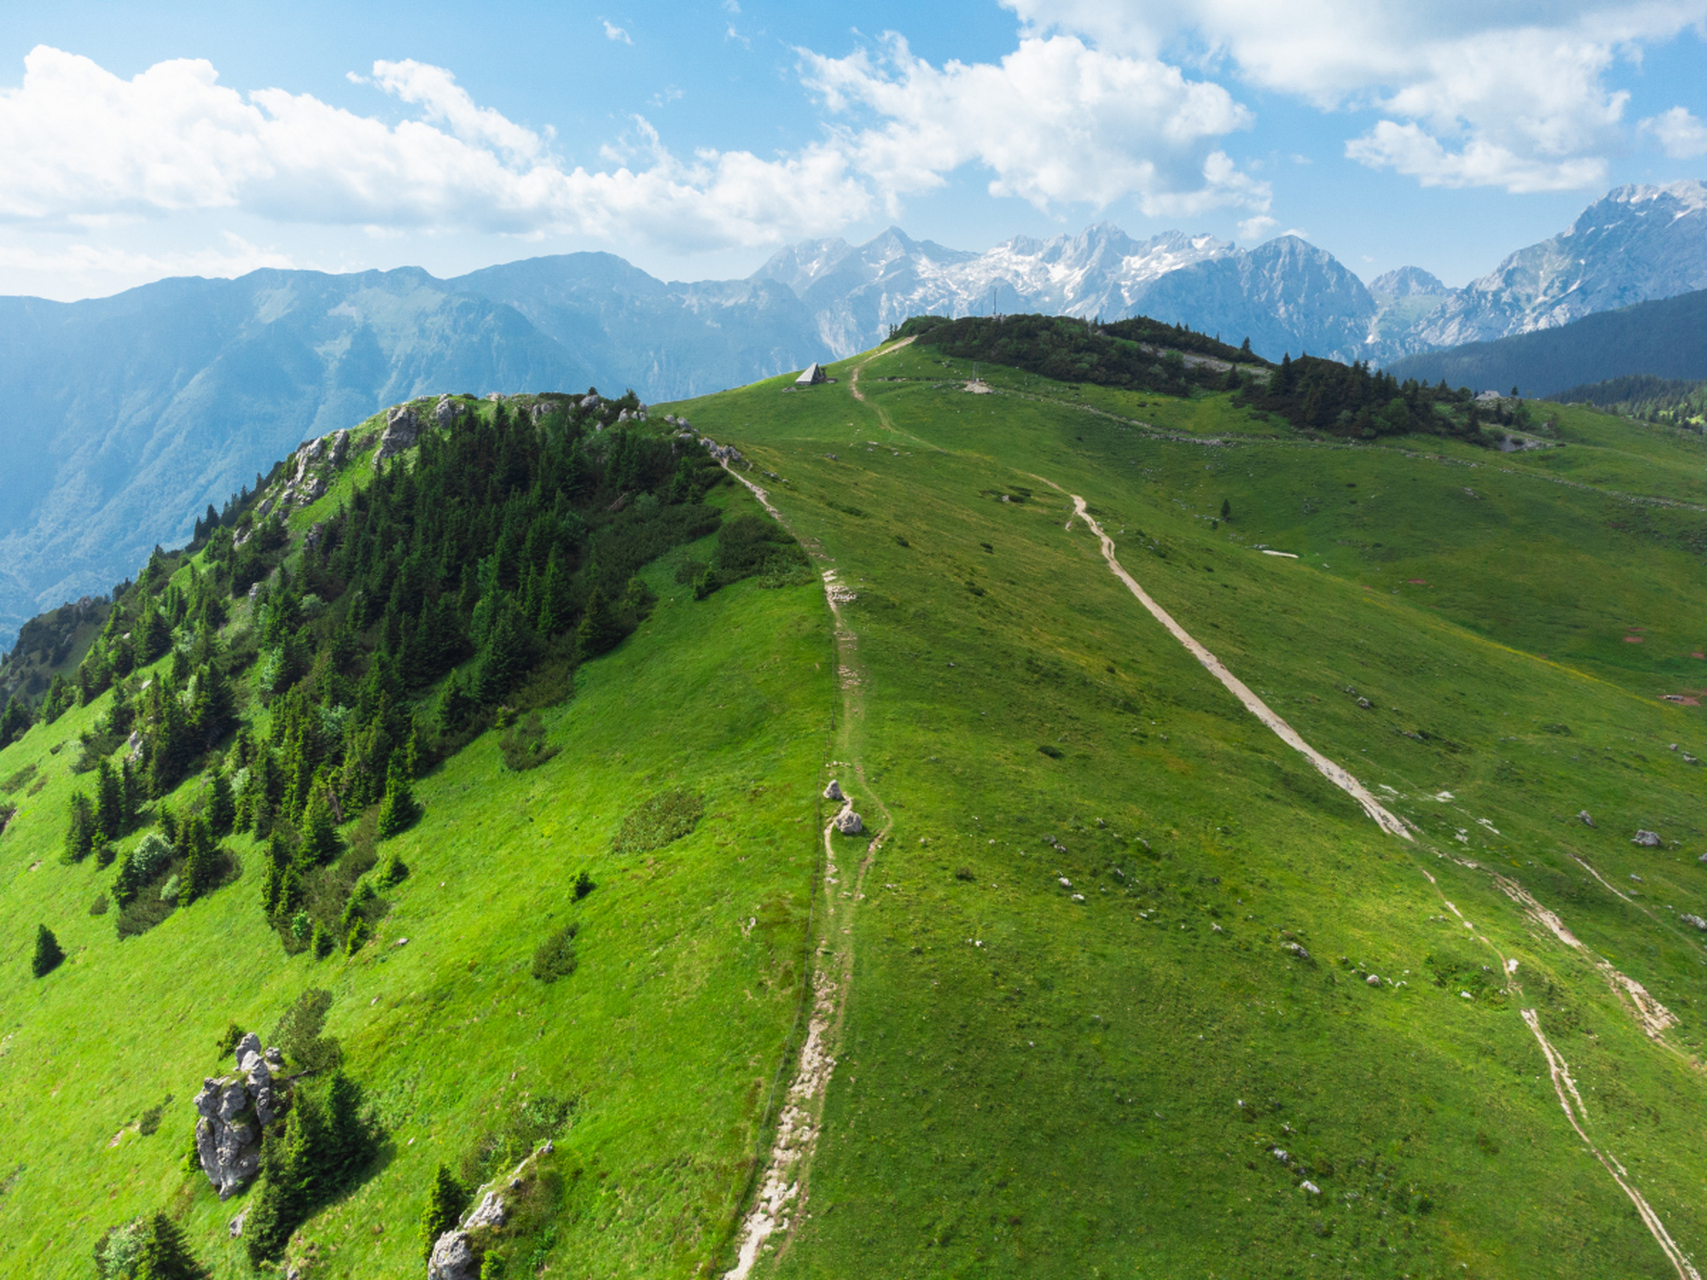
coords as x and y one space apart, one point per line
1681 135
1056 122
614 32
1506 94
1256 228
82 144
731 6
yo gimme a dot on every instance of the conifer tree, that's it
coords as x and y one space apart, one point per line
109 801
320 842
221 808
201 862
80 835
15 720
600 628
398 810
48 954
165 1255
446 1200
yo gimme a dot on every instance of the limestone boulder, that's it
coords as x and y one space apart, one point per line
1647 839
402 429
833 791
848 823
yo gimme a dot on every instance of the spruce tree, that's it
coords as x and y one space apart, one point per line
600 628
109 801
14 720
446 1200
221 808
202 861
80 835
398 811
320 842
165 1255
48 954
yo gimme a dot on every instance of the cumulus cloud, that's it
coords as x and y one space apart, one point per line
1055 122
83 144
1509 94
614 32
1681 135
1255 228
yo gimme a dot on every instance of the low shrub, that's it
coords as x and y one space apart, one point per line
524 745
664 818
555 957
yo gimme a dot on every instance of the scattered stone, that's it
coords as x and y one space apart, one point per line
1647 839
1373 979
1297 949
1066 883
236 1225
1635 877
1309 1186
1364 703
1582 817
848 823
834 791
1697 921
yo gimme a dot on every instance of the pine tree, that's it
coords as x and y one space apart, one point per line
109 801
320 842
504 657
600 628
201 864
80 835
398 811
48 954
165 1255
221 809
15 720
445 1202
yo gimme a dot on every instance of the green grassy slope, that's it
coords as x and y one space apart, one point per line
667 1039
1034 1085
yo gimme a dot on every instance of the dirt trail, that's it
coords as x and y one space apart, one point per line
1255 705
781 1196
1562 1081
1653 1017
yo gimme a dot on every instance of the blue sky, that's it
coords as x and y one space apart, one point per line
694 138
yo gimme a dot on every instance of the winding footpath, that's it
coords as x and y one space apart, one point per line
770 1221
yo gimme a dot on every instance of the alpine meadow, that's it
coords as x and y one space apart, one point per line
1046 799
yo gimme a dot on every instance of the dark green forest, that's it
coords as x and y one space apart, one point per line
1674 402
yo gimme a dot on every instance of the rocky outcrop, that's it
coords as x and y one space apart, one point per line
833 791
447 410
402 429
1647 839
848 822
454 1256
233 1110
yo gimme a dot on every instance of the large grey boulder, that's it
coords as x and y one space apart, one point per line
447 411
232 1111
1647 839
453 1256
848 823
402 429
833 791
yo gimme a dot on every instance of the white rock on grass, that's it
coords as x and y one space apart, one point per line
1647 839
848 823
834 791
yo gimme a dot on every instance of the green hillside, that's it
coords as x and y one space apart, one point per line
1114 981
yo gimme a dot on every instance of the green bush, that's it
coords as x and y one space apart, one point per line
524 745
555 957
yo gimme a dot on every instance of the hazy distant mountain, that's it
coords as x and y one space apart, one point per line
1408 282
1639 243
130 414
1665 338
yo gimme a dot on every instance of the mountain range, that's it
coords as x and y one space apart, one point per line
146 406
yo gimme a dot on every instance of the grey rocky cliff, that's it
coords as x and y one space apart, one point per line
233 1110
